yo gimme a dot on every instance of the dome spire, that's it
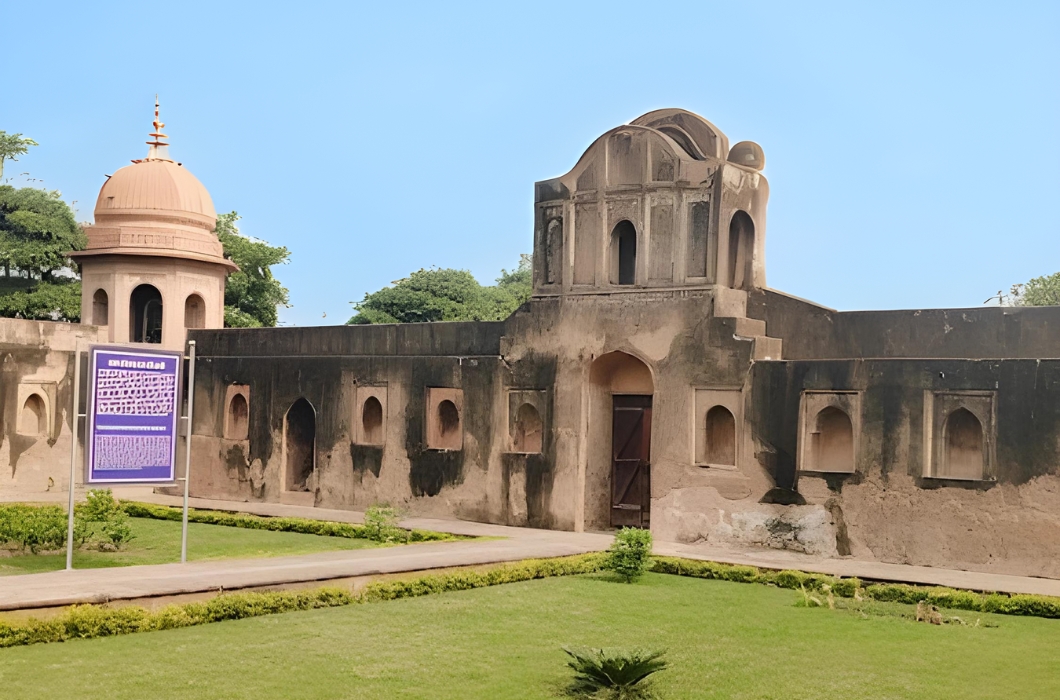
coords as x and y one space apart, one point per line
159 149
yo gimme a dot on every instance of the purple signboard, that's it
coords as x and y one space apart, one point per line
133 409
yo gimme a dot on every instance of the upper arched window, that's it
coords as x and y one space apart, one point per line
145 315
100 308
741 251
624 253
194 312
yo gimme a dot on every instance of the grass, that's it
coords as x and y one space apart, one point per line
724 640
158 542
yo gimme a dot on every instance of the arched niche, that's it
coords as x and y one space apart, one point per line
34 417
528 432
741 251
194 312
624 253
145 315
833 449
963 436
372 422
721 437
448 417
445 418
299 443
238 418
100 308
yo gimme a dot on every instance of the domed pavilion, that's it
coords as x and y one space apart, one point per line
153 266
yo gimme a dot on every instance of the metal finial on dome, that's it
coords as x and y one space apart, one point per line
159 148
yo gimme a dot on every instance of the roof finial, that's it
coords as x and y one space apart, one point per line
159 148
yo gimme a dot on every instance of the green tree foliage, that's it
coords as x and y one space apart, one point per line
446 295
37 229
252 294
1040 291
12 146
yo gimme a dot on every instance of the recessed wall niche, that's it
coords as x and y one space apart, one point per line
237 412
829 431
445 419
717 428
527 420
960 435
35 403
369 415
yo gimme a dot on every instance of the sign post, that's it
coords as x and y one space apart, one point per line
74 425
187 451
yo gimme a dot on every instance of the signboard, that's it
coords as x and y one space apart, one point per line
133 409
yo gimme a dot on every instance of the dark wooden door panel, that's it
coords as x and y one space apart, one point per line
630 461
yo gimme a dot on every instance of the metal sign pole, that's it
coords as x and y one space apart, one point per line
73 457
187 450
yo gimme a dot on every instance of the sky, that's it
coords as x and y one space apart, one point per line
911 148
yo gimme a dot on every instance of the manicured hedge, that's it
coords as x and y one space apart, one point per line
257 522
953 599
89 621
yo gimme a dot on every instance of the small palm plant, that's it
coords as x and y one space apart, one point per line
613 674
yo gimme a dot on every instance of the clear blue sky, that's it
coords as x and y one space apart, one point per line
912 149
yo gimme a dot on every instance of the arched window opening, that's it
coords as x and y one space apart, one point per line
741 251
238 418
145 315
449 437
100 308
833 441
34 418
528 434
372 422
194 312
721 437
300 427
624 254
964 446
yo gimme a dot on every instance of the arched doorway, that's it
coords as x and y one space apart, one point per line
145 315
372 422
834 441
527 435
299 445
34 418
620 431
238 418
741 251
624 254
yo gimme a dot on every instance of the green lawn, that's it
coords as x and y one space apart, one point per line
158 542
725 640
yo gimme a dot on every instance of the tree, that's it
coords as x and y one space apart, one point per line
37 229
251 294
1040 291
446 295
12 146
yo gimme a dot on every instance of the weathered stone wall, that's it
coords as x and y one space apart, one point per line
38 360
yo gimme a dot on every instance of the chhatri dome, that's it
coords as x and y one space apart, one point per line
153 265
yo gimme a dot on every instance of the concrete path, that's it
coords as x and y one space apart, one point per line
100 585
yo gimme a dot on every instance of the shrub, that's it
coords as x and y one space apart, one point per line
34 528
630 554
381 524
104 519
612 673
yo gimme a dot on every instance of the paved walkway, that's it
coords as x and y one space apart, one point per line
99 585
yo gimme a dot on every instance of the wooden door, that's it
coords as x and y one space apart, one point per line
630 461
